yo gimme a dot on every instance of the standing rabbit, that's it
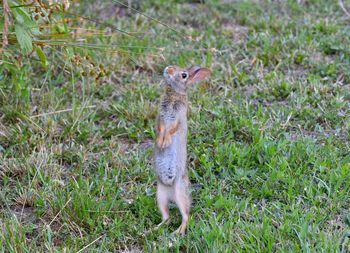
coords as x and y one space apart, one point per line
171 151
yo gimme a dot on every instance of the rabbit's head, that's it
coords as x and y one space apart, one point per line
179 79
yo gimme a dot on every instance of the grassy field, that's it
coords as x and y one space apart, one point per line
269 137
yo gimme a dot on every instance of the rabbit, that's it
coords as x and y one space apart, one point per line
171 141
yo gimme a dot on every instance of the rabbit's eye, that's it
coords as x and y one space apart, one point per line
184 75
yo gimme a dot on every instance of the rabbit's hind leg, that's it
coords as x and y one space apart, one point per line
163 193
183 201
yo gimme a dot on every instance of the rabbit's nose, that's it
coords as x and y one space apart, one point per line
169 70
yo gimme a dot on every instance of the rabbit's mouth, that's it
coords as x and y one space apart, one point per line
172 79
175 86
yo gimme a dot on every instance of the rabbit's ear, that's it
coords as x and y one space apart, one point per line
197 74
191 70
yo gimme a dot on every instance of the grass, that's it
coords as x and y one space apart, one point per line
269 139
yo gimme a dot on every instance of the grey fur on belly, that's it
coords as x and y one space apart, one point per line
166 165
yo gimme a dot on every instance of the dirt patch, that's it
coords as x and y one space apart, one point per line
24 214
127 145
336 223
319 58
113 11
12 167
234 30
146 144
296 72
303 134
132 250
346 87
340 133
249 90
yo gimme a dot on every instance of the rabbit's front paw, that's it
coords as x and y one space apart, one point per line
166 141
163 141
159 141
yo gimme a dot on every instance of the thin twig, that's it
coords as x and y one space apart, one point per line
61 111
85 247
102 47
287 121
69 43
47 226
149 17
341 5
6 11
99 23
54 218
91 29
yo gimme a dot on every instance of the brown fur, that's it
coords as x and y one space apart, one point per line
173 182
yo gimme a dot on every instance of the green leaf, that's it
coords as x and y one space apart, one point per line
41 56
59 29
24 39
22 17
